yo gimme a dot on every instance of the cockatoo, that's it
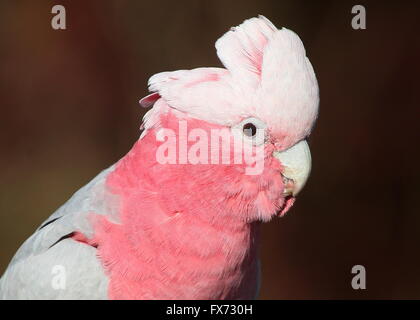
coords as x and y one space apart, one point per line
178 217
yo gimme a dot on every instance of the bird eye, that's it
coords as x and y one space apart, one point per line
252 129
249 129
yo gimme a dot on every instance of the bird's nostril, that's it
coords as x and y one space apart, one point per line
288 186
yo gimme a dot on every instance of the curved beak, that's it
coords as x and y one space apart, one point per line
297 166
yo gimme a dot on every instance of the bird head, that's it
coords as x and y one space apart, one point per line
265 101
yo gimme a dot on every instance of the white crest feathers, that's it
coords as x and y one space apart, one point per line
267 76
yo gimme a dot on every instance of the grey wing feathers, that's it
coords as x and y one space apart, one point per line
33 269
68 270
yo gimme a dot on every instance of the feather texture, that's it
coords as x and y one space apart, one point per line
146 230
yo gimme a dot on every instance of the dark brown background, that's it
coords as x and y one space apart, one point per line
69 109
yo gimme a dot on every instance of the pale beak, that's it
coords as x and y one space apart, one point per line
297 166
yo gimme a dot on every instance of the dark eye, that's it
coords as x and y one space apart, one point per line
250 129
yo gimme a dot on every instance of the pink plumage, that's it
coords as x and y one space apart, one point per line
190 231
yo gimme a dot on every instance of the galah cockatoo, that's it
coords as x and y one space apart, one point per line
186 227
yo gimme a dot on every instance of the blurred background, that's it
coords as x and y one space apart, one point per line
69 108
